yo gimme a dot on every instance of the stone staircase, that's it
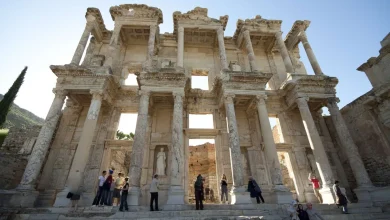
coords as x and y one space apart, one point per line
211 212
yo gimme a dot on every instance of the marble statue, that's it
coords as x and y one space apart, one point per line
161 158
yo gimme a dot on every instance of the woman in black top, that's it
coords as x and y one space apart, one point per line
224 189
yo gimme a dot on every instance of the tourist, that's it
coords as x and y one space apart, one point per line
341 199
106 189
111 192
100 189
125 192
119 183
302 214
199 192
292 210
316 186
313 214
224 189
154 193
254 189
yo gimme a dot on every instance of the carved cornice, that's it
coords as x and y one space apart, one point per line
100 31
292 37
200 15
139 11
60 93
258 23
246 77
374 60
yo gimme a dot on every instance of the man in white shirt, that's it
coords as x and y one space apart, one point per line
98 196
154 193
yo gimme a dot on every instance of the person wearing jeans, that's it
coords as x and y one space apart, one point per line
100 189
125 192
154 193
224 189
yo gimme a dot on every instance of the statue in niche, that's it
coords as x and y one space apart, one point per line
161 158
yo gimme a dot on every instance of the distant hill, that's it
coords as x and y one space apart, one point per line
21 118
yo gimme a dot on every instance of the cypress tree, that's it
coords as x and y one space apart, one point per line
10 96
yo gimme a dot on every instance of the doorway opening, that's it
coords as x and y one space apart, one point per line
131 80
202 160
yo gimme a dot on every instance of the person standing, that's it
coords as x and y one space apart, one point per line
255 190
100 189
199 192
119 183
125 192
154 193
316 186
302 214
106 189
313 214
292 210
224 189
341 199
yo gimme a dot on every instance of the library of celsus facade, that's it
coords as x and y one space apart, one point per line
252 76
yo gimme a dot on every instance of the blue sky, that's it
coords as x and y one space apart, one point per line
343 35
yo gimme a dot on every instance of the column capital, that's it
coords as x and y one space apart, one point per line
278 34
177 93
332 103
180 29
153 27
220 30
260 99
60 93
144 92
302 36
229 98
96 94
302 101
90 18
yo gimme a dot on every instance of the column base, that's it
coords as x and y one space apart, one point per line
282 194
175 195
18 198
363 194
240 196
327 195
86 199
133 197
61 200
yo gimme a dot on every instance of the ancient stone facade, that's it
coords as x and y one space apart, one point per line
238 69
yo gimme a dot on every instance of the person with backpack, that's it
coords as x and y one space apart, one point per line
125 192
254 189
106 188
199 192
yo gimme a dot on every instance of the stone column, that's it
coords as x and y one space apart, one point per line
316 145
83 41
284 52
81 156
152 38
222 52
180 47
238 193
251 53
137 153
176 192
282 194
357 165
113 47
310 54
42 144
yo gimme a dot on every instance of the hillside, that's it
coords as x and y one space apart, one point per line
21 118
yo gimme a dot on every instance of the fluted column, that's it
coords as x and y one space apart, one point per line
137 153
176 192
270 147
222 51
80 160
251 53
42 144
152 38
357 165
113 46
180 47
310 54
284 53
83 41
316 145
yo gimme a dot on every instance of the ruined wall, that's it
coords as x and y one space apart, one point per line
371 139
202 161
14 154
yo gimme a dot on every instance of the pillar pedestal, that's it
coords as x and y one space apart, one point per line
175 195
133 197
239 196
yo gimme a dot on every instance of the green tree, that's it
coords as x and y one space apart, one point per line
10 96
132 135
